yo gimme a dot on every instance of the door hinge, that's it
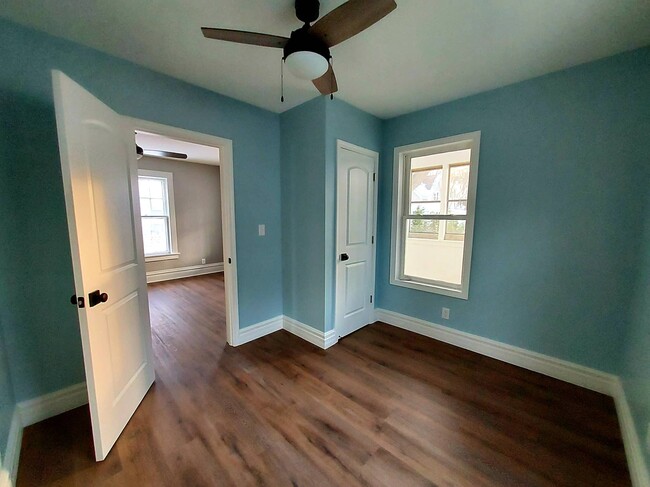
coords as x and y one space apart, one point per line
374 176
229 260
371 298
372 239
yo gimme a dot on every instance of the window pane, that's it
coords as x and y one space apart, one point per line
457 207
157 206
143 186
455 230
145 206
156 186
458 182
156 236
426 185
423 228
426 257
425 208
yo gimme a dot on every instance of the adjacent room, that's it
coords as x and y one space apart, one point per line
301 242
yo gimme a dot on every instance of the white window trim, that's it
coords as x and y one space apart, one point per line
169 177
458 142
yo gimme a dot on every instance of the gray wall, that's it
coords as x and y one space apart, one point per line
197 198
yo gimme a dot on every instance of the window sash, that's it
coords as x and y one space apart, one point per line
444 189
164 198
167 234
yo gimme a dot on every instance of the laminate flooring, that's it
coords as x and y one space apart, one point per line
383 407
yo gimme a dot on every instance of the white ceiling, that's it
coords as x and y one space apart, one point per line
202 154
424 53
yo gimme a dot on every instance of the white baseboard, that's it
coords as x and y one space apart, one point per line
258 330
579 375
633 447
44 407
181 272
321 339
9 468
316 337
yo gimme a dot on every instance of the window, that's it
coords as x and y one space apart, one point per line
433 214
158 218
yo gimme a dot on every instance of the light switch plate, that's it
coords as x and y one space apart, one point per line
261 230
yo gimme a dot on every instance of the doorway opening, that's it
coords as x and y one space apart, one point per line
187 214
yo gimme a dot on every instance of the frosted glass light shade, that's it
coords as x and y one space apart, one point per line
307 64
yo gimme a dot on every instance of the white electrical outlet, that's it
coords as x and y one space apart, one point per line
261 230
445 313
202 261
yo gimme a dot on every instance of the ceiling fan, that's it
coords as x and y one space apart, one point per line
307 51
158 153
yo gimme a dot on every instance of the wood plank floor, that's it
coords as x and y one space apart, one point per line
383 407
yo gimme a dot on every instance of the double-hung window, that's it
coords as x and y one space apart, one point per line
433 214
158 216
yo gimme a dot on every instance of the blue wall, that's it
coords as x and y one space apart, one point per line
636 363
309 133
557 231
7 293
303 212
42 334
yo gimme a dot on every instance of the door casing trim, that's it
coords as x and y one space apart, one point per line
227 209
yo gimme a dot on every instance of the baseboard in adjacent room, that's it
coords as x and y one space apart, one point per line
44 407
579 375
312 335
259 330
633 447
181 272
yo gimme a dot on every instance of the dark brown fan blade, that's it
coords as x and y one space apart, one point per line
243 37
326 84
351 18
164 153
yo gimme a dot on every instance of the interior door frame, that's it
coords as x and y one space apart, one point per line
227 209
340 146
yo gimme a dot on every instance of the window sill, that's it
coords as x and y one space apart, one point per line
431 288
156 258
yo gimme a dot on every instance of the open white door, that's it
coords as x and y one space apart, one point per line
355 228
99 168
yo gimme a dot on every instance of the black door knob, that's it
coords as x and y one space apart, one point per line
96 297
344 257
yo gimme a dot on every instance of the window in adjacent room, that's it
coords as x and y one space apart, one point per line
433 214
157 212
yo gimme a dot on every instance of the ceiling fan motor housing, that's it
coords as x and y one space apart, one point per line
302 40
307 11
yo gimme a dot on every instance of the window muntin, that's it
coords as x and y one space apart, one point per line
435 196
157 212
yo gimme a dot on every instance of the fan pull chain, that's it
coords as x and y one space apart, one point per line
332 78
282 80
